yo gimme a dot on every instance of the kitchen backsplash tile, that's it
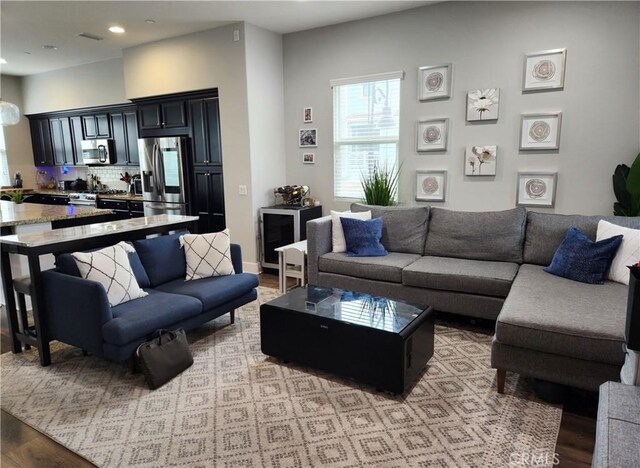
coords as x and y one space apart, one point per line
109 175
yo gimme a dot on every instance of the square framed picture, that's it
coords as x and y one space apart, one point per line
307 115
434 82
308 158
544 70
308 138
480 160
483 104
536 189
540 131
432 135
431 185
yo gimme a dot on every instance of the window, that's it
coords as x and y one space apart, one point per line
366 128
5 179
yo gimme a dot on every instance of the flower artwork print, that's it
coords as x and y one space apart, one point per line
430 185
483 104
536 189
540 132
544 70
480 160
434 82
432 135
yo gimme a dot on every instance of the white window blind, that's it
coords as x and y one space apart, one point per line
366 128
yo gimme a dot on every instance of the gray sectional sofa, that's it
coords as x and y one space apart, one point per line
490 265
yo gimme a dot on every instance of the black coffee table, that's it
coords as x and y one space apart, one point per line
377 341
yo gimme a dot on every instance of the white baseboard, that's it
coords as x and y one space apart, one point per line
251 267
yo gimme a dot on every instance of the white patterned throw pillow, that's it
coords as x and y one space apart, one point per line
111 268
207 254
627 254
337 233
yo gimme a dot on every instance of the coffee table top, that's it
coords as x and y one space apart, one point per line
351 307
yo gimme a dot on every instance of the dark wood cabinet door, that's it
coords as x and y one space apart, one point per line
149 115
119 139
201 199
61 141
213 130
209 200
89 126
205 132
41 142
131 128
103 129
173 114
217 221
76 138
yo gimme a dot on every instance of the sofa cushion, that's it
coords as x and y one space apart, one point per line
213 291
338 242
66 264
461 275
404 229
207 254
162 258
387 268
362 237
545 232
141 317
494 235
559 316
628 253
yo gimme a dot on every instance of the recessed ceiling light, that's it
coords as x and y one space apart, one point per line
116 29
49 47
150 21
2 61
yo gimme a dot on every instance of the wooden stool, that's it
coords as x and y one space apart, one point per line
22 286
293 264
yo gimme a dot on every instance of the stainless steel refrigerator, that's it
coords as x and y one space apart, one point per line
162 167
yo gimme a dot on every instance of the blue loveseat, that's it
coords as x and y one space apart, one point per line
79 314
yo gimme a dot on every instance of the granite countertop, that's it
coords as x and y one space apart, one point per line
12 214
112 196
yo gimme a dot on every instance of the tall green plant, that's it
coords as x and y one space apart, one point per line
380 186
626 187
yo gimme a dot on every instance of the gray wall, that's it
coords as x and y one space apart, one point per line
18 137
486 42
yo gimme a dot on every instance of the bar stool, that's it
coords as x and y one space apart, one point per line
22 286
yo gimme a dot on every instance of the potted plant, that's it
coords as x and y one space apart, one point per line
380 186
16 196
626 186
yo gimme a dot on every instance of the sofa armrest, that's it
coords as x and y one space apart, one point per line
76 309
236 258
318 244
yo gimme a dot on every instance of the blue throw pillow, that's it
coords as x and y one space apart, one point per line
363 237
162 257
580 259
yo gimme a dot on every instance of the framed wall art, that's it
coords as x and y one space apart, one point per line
308 138
307 115
483 104
434 82
544 70
308 158
430 185
432 135
480 160
540 131
536 189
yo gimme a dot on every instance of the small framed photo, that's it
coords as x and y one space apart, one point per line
434 82
308 158
307 115
430 185
308 138
432 135
536 189
483 104
544 70
480 160
540 131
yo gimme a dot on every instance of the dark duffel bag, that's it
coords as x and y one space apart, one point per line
164 357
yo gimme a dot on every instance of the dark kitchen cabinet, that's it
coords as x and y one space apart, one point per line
169 116
205 131
41 142
136 208
209 199
76 138
96 126
119 207
125 136
61 141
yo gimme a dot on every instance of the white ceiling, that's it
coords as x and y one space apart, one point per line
28 25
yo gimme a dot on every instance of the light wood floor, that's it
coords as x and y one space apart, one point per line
24 447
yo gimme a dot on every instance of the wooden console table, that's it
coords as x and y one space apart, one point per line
72 239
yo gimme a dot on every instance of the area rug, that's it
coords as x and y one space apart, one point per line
237 407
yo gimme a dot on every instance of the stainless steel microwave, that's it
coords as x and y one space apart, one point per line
98 152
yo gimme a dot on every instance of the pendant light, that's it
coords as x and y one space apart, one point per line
9 113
